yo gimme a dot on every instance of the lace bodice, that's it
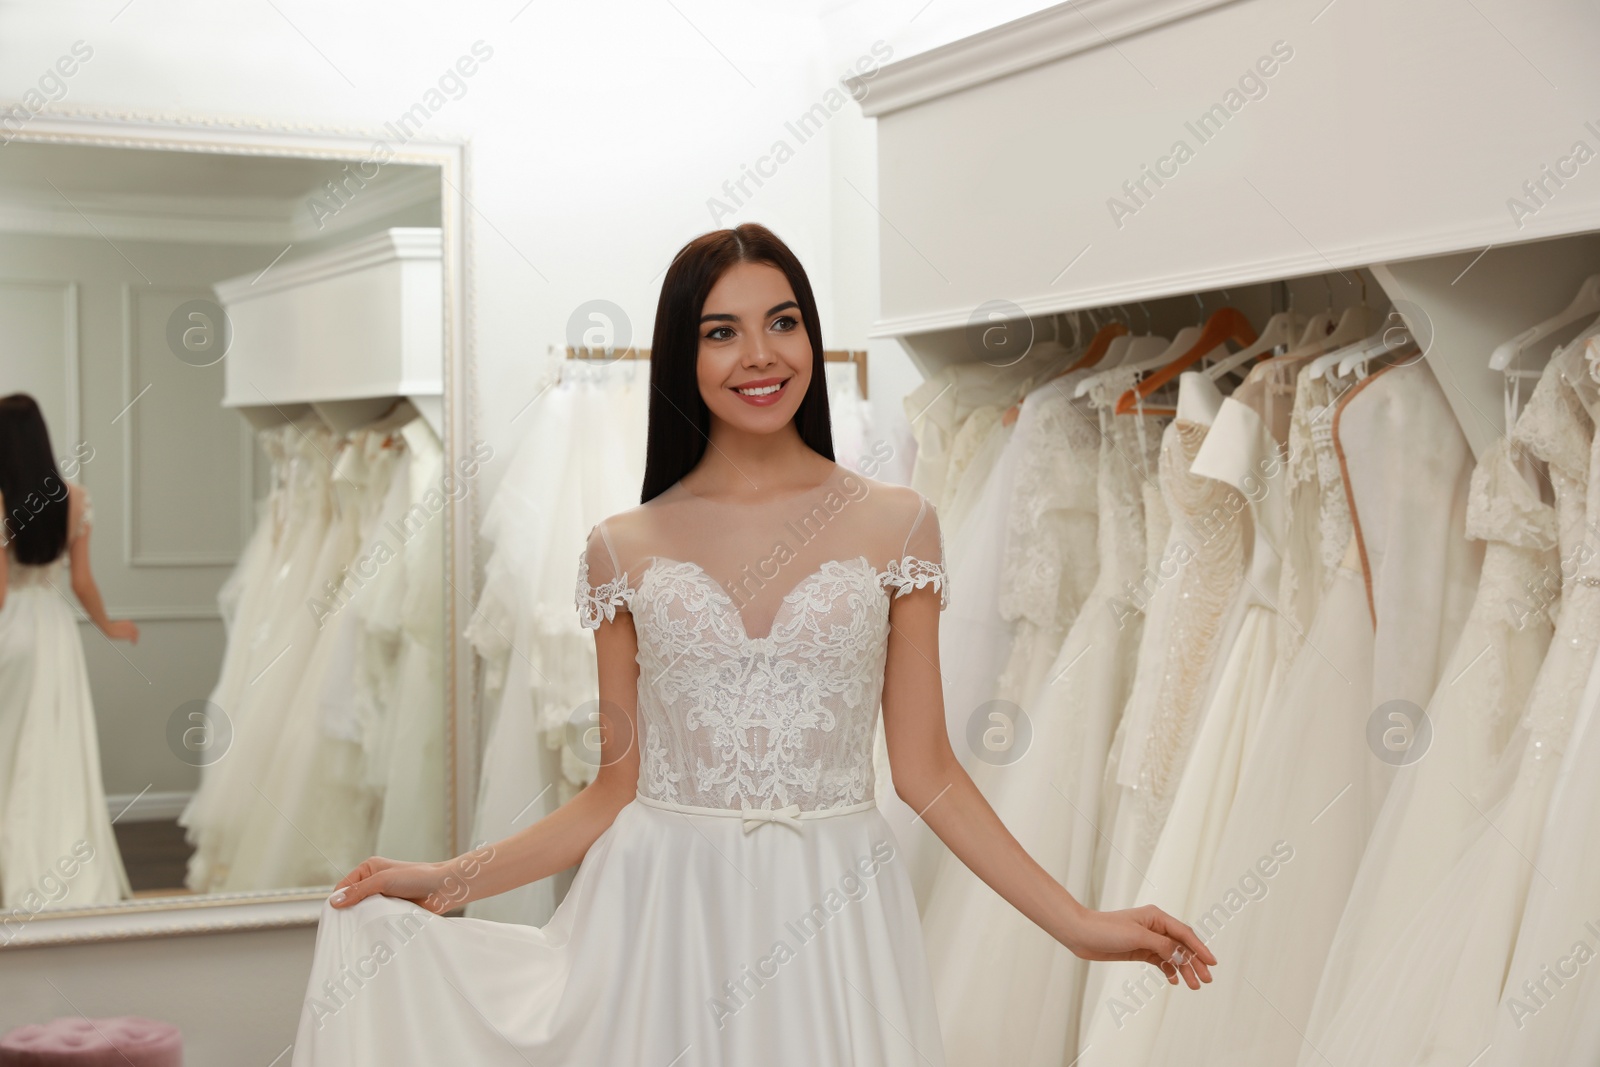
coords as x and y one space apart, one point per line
732 720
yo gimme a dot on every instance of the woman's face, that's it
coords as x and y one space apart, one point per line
755 357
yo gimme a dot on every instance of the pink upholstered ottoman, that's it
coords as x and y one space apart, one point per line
120 1041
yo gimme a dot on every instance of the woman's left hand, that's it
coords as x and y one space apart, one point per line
1148 934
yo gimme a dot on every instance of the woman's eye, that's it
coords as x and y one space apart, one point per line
720 333
785 322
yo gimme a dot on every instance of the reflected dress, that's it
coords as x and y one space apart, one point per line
748 906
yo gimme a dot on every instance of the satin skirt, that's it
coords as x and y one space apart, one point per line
687 938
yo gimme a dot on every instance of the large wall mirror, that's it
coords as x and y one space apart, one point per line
246 348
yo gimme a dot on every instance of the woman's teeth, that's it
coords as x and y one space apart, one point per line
764 390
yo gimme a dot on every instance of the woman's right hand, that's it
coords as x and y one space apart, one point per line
122 630
421 883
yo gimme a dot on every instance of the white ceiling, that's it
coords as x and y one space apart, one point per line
193 196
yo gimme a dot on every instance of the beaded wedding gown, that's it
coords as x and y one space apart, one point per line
748 906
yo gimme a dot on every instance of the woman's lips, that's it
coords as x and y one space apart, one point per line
762 400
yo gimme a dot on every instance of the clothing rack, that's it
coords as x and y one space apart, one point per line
830 355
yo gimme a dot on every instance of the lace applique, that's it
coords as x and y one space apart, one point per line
908 573
1208 554
1046 569
599 603
1555 428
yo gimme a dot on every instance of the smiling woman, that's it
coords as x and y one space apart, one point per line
752 615
737 309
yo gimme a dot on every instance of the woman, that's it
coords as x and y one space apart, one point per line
56 843
694 932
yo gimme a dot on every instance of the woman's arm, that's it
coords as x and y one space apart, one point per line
929 778
555 842
84 586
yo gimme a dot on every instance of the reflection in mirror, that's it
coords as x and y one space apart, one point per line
221 640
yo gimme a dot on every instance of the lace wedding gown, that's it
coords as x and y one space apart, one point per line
1434 808
1311 783
1007 990
748 906
53 817
1441 973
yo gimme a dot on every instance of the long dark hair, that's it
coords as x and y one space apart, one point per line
680 422
35 495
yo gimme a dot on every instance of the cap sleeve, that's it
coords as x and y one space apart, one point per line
602 584
921 559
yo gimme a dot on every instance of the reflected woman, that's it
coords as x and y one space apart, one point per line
56 844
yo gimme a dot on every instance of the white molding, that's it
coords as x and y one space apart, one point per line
227 913
158 613
132 920
72 357
203 219
132 554
1042 37
146 806
1152 286
400 242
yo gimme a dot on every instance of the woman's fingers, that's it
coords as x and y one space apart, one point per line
1180 947
361 882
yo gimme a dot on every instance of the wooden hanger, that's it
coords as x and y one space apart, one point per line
1099 346
1226 324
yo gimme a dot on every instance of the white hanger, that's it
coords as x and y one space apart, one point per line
1352 329
1147 354
1281 329
1587 302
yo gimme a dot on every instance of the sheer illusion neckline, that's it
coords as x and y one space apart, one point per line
832 477
731 610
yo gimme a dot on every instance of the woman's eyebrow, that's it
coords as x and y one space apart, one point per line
773 310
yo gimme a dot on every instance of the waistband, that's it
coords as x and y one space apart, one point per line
789 815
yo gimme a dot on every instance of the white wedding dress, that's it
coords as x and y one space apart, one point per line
1311 784
1177 807
1433 993
747 906
57 847
1434 808
1006 989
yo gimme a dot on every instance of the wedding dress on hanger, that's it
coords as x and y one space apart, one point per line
318 817
538 668
975 555
1186 605
1549 1010
276 651
1181 799
1465 924
1310 786
746 907
1319 523
411 825
1002 983
53 815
